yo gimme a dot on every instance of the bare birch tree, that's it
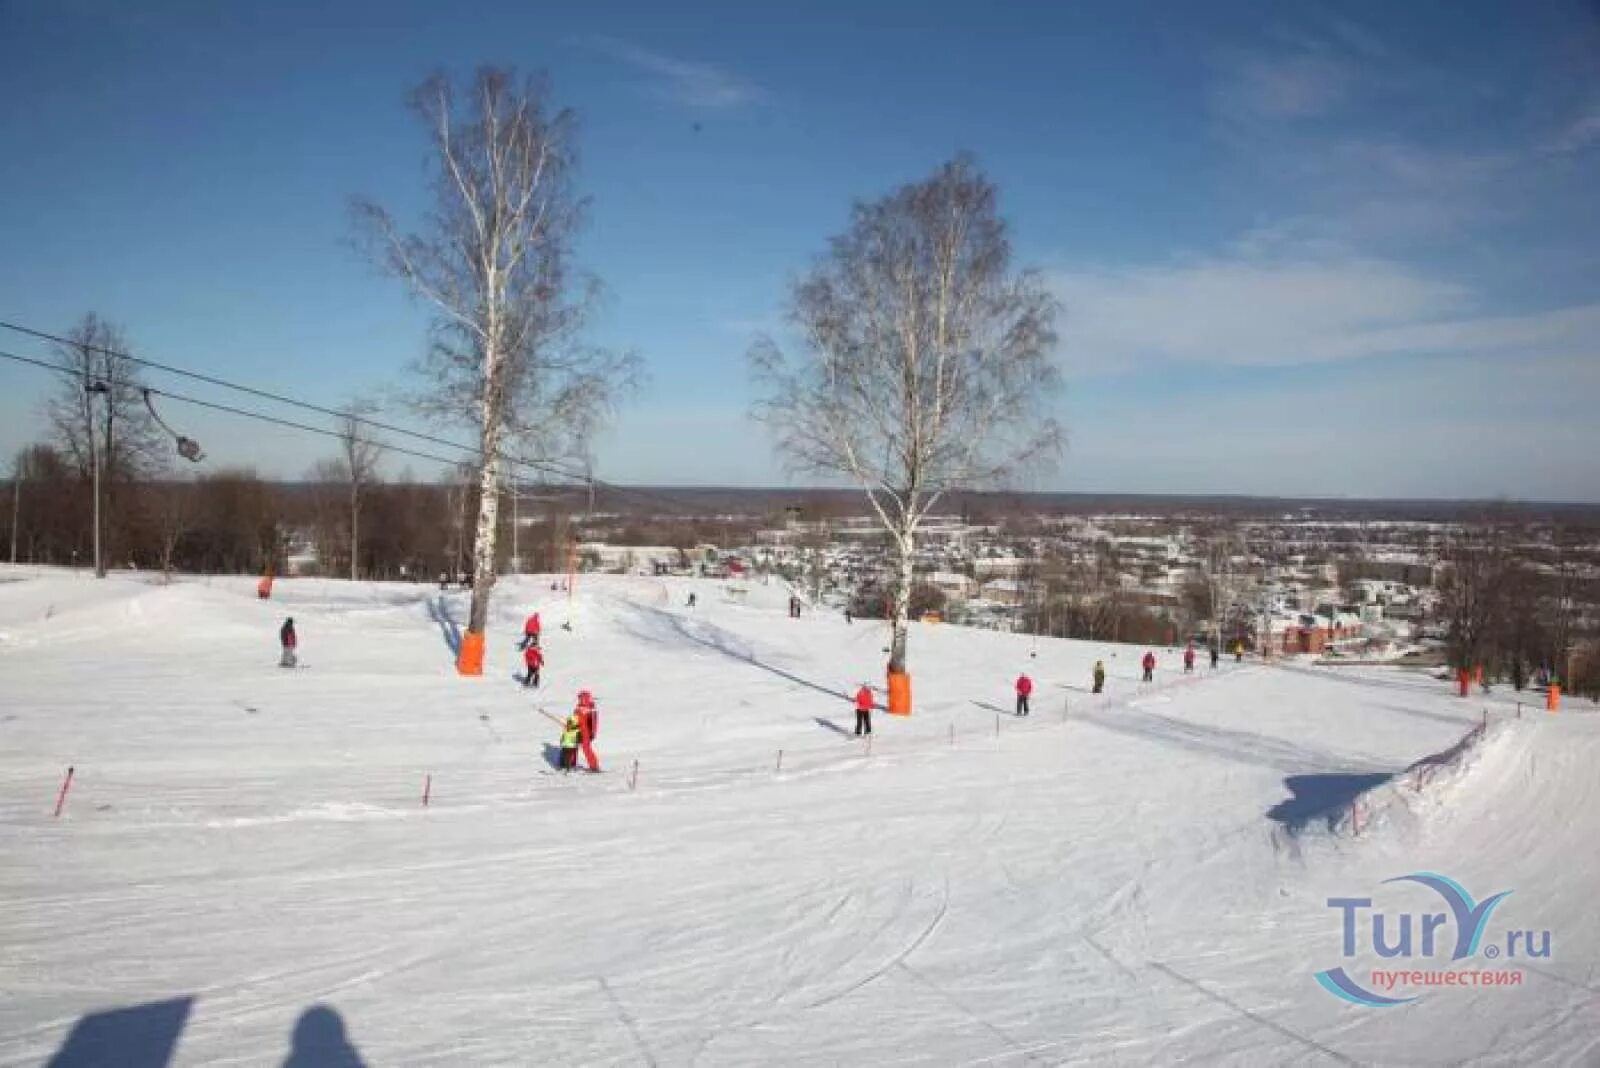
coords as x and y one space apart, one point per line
359 454
99 417
926 362
493 263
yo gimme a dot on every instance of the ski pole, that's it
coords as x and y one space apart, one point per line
61 798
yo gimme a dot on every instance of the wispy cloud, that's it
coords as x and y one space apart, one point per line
1281 87
1578 135
693 84
1253 308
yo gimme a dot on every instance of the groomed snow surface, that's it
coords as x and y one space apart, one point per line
244 872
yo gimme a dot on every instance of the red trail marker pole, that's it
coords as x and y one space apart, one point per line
61 798
427 789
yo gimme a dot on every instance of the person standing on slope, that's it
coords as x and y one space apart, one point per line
530 631
289 642
571 731
864 709
1024 691
1188 660
1215 655
588 727
1149 665
533 660
1099 675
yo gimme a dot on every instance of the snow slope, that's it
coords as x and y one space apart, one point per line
244 864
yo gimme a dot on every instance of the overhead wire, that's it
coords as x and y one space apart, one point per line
542 467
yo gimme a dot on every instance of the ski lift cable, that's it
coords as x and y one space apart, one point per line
545 466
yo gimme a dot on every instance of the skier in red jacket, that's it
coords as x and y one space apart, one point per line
588 727
533 658
1188 659
530 632
1024 689
1149 664
864 709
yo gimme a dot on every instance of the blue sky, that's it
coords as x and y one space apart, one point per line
1302 249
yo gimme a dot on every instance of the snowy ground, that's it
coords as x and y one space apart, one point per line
244 866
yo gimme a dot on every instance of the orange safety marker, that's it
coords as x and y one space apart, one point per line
469 661
1552 699
899 693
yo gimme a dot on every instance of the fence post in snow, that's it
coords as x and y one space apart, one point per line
61 798
952 732
633 779
997 724
427 788
779 768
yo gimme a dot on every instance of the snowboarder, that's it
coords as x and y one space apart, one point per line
571 730
533 659
588 727
1024 689
1149 665
289 641
1188 659
1099 675
1216 655
530 632
864 709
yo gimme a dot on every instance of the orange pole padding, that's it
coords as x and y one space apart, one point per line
470 660
1463 681
264 587
1552 700
899 693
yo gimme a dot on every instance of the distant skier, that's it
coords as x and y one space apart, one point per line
533 660
1024 691
1149 665
289 641
1216 654
530 632
1238 651
864 709
571 731
588 728
1188 659
444 582
848 618
1099 676
691 600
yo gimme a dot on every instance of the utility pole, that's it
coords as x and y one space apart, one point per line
16 502
95 461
